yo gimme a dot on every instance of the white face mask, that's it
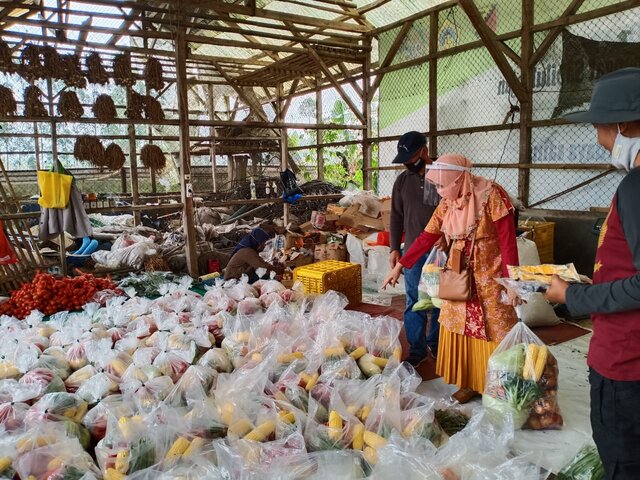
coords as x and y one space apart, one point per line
624 151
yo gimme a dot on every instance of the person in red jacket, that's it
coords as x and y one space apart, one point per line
476 217
614 298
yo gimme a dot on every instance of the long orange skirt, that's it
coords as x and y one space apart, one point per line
462 361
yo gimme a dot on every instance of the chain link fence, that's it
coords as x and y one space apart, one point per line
478 113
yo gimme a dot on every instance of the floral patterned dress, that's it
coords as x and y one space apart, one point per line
483 317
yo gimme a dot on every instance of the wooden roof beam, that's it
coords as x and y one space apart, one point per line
128 21
336 85
553 34
391 54
490 41
340 25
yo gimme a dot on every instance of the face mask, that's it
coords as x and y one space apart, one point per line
416 166
624 151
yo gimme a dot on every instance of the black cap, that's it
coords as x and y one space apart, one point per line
615 99
408 145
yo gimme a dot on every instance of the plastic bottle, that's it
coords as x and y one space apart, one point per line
267 190
252 187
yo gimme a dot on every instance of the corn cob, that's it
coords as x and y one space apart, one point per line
312 383
411 426
290 357
397 353
541 362
335 426
357 442
334 352
31 477
370 455
243 337
226 414
5 462
380 362
29 443
81 411
364 412
240 428
194 448
287 417
113 474
358 352
261 432
122 461
177 449
374 440
256 357
352 409
530 361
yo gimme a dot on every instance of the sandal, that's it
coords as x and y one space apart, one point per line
464 395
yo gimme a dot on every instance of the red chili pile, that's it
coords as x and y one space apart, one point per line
50 295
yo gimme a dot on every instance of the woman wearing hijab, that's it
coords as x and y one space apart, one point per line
475 216
245 258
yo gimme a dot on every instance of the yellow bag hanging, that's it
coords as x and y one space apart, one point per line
55 188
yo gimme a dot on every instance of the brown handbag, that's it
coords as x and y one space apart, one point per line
455 280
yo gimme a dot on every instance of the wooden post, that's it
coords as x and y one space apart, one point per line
433 84
526 104
37 144
319 132
366 115
123 179
54 158
284 147
133 162
212 149
188 214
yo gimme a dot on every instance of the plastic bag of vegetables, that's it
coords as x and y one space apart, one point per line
430 281
586 465
522 381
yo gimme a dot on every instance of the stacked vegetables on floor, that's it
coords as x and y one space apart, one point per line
50 295
246 381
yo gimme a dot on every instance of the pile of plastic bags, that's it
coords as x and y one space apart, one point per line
246 381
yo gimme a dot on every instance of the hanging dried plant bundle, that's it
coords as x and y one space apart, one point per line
89 149
122 73
114 157
69 106
30 62
8 105
96 73
153 74
152 157
135 108
33 107
53 64
104 109
152 109
73 76
6 65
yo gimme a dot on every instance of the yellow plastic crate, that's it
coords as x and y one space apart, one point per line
343 277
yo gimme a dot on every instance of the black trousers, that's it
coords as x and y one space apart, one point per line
615 420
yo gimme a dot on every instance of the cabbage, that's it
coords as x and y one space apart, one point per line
511 360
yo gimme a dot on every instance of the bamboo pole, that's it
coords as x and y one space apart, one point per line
319 132
188 214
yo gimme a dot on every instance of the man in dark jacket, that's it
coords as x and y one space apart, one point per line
413 201
614 298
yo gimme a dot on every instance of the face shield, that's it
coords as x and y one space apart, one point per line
447 178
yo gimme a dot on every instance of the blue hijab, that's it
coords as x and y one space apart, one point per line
253 239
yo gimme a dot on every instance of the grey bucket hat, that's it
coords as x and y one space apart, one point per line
615 99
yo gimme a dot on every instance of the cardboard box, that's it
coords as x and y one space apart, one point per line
335 209
354 219
330 251
306 227
385 214
299 260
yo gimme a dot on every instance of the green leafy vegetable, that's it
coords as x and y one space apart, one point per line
586 465
511 360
